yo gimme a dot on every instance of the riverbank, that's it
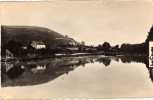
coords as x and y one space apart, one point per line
60 55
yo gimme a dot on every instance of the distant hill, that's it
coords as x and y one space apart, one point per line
26 34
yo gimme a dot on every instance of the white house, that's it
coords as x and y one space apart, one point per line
38 45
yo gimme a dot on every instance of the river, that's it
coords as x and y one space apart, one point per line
77 77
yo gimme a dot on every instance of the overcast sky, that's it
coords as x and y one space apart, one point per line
92 21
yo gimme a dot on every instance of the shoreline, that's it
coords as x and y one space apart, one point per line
3 59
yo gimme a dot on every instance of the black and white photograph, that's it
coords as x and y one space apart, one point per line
76 49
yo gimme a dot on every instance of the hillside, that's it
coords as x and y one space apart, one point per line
25 34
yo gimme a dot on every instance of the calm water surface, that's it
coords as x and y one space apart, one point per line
78 77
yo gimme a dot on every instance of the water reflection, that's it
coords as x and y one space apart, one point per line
105 60
42 71
139 59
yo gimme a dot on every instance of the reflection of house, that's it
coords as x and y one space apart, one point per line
24 47
38 68
39 71
38 45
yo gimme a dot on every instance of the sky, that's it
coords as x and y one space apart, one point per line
92 21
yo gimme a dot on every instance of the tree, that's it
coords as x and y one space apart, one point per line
106 46
66 36
116 47
123 47
99 47
150 35
82 43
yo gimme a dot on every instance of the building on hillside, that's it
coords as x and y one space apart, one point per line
38 45
72 42
67 41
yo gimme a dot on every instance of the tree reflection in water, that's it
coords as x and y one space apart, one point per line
42 71
105 60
